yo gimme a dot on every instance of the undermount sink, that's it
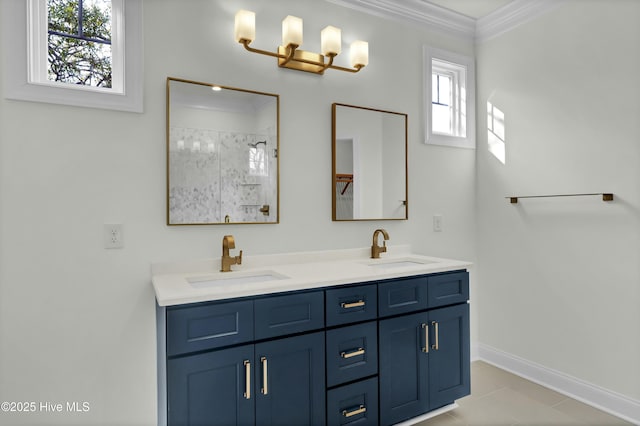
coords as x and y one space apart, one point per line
235 281
399 263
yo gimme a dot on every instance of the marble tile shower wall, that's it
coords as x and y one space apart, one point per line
211 177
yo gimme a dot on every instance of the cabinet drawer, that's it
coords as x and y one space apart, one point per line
402 295
352 353
351 304
293 313
448 289
208 326
356 403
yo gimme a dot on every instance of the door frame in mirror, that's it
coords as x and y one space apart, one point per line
334 177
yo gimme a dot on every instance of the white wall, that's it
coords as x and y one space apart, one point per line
559 277
76 320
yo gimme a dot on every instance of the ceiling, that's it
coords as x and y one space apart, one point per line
472 8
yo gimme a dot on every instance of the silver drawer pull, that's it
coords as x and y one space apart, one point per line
361 409
359 351
352 304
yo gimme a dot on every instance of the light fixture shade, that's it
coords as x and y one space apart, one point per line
331 41
359 53
291 31
245 27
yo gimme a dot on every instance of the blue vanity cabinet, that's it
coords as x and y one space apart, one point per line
424 351
449 356
279 382
224 368
372 353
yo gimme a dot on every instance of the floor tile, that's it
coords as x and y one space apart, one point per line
588 415
499 398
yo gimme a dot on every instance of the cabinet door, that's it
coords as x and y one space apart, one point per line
290 381
404 365
449 357
211 388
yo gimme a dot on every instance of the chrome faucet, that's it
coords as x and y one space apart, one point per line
229 243
375 248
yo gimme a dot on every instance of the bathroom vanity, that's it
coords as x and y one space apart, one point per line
312 338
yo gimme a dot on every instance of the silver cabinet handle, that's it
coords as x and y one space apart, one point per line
361 409
425 327
355 352
247 382
435 325
357 304
265 388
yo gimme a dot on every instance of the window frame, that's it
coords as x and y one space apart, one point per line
29 18
456 61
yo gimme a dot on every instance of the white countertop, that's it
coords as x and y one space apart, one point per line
177 283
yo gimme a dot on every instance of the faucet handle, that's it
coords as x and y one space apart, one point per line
239 259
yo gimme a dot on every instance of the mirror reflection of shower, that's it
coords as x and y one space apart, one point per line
221 147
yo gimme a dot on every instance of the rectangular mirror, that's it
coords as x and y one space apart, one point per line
222 154
369 164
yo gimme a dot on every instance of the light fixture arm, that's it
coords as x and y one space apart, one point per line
246 43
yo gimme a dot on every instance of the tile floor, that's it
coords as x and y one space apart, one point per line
501 398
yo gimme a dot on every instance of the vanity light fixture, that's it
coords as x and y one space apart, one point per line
289 56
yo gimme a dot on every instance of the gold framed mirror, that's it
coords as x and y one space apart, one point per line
222 154
369 167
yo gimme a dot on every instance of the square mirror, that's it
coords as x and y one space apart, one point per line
222 154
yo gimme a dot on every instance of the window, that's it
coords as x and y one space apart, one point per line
77 52
449 94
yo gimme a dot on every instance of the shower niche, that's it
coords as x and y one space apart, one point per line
222 154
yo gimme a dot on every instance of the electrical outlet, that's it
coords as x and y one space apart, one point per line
437 223
113 236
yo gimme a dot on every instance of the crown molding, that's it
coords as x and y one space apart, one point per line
441 19
510 16
417 12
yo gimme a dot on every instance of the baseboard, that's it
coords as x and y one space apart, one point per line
603 399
